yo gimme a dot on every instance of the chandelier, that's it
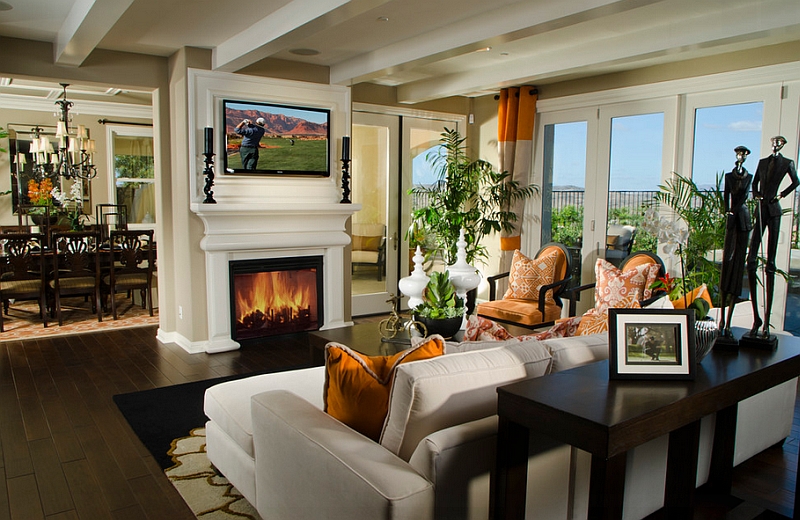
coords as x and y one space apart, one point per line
74 156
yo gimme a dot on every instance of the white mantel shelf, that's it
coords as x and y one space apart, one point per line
243 231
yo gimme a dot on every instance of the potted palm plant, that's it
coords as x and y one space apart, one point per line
469 194
441 310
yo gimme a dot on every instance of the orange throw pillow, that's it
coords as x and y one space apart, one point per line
357 386
528 275
698 292
614 285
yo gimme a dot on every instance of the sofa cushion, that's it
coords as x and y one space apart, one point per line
228 404
576 351
356 387
448 390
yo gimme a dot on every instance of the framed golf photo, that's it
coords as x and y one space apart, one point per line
651 344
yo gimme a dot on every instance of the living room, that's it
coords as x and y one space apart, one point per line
741 68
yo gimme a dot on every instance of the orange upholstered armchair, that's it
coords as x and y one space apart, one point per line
636 268
534 289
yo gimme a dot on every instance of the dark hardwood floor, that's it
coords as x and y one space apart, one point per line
66 452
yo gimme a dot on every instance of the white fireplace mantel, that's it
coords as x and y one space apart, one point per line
248 231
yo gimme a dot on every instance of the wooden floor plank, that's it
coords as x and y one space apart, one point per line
85 490
16 458
23 498
53 488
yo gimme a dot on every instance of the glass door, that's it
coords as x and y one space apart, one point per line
636 154
564 188
375 228
420 138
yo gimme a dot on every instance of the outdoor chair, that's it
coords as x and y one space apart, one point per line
369 247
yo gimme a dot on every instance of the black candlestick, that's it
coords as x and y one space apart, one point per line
209 140
209 175
345 182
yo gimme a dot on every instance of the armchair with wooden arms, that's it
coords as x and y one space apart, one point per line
533 298
631 262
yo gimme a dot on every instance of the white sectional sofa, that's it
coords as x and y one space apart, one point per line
269 436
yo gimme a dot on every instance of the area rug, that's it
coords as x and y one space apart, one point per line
23 320
207 493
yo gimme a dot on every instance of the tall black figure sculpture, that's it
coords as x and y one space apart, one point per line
737 226
766 182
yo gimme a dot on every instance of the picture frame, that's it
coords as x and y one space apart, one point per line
651 344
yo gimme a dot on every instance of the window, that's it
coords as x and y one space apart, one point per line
134 173
717 131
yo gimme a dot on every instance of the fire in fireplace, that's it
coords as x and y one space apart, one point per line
274 296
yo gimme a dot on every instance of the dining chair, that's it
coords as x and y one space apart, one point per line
111 217
130 261
22 271
76 269
37 215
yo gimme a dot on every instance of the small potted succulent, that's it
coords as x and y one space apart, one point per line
441 310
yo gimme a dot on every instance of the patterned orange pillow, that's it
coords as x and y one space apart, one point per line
614 285
357 386
594 321
528 275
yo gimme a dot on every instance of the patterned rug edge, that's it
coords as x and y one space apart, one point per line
207 493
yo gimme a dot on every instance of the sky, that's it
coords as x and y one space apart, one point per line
636 147
308 115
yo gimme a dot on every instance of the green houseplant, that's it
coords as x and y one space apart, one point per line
469 194
441 310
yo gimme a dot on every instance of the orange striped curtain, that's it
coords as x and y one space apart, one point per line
516 114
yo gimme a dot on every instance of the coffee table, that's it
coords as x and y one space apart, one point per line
363 338
584 408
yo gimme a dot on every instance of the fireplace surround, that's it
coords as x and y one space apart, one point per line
237 232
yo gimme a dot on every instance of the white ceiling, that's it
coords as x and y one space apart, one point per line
428 49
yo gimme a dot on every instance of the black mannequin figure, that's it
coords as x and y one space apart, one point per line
737 226
766 182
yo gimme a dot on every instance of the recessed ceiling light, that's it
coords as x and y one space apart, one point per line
382 19
504 54
304 52
5 6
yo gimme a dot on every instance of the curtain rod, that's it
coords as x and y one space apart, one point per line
534 91
109 121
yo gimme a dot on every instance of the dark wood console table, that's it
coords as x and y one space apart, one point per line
606 418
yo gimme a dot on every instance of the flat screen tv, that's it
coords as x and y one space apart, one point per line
296 140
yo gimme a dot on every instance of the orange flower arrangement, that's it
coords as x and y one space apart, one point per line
40 193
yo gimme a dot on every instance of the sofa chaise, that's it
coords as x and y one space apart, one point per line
269 436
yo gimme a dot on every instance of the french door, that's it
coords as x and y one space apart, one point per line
389 157
598 166
374 185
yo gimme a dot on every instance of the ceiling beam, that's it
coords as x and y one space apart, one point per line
282 29
567 53
485 30
84 27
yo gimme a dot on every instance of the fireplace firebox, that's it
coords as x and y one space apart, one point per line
275 296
